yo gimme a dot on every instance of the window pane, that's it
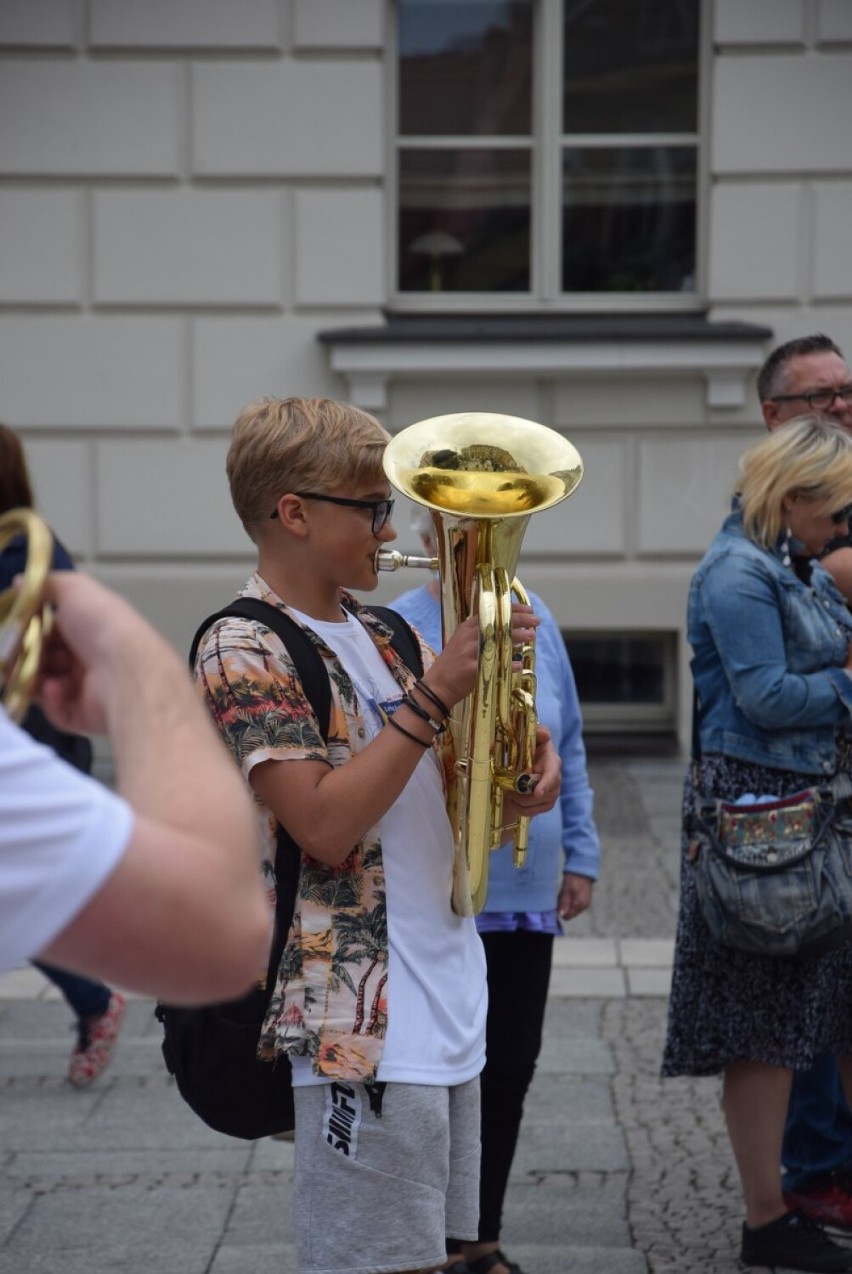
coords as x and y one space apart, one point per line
465 67
628 219
623 670
631 66
464 220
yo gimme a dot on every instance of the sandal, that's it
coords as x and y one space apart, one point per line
484 1264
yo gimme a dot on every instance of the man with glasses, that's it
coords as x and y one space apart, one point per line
805 375
810 373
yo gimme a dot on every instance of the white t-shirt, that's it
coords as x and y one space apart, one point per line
437 995
61 835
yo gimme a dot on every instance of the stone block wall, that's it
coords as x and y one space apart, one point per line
190 190
780 210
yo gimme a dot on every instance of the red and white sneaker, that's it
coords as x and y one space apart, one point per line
827 1200
97 1037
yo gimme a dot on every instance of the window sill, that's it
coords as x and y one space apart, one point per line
725 353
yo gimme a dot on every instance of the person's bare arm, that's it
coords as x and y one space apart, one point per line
839 566
184 915
326 810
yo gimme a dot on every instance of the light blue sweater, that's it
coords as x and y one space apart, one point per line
564 839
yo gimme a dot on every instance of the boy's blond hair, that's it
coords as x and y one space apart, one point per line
299 444
810 455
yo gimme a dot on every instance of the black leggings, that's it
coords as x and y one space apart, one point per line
518 978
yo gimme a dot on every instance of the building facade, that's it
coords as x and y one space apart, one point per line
598 216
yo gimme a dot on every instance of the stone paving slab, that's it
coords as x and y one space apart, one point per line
617 1171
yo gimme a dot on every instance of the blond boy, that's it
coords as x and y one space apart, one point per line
381 996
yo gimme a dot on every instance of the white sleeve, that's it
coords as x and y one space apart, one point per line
61 834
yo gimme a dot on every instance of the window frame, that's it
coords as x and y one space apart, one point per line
607 717
546 146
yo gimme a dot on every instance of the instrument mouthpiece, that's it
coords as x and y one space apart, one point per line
392 560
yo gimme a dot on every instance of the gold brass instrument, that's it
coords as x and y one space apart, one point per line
24 619
482 475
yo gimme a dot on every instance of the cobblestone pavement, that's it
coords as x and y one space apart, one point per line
637 815
683 1197
684 1205
617 1170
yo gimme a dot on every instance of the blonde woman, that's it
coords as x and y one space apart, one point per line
772 664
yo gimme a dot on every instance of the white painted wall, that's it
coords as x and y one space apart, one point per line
191 189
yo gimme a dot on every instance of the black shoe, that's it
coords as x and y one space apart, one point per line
483 1264
794 1242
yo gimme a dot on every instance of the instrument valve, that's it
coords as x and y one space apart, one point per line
512 781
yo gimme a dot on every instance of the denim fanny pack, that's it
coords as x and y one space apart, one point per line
775 878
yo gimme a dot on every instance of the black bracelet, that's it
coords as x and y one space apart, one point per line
413 737
430 694
415 707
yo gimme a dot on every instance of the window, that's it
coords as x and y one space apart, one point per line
547 149
626 683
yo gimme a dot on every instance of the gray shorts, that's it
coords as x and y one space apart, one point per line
377 1195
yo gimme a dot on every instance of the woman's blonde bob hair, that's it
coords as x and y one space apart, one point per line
299 444
810 456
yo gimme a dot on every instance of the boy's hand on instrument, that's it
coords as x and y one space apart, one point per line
547 765
524 623
453 674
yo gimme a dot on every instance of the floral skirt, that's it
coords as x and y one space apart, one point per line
729 1006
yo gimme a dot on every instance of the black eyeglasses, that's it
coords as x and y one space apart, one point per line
381 509
842 515
817 398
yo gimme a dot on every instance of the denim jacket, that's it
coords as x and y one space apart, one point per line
768 655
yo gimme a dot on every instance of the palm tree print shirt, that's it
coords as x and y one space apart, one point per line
329 1001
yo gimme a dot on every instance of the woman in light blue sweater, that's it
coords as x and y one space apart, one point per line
522 915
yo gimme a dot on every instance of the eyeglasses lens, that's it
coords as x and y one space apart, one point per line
823 398
381 512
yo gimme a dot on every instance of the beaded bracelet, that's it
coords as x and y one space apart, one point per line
413 737
430 694
420 712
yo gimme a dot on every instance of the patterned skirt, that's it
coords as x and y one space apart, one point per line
729 1006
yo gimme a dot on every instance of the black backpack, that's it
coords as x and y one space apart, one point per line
212 1050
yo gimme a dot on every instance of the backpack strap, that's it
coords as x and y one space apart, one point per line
314 678
403 640
303 652
317 687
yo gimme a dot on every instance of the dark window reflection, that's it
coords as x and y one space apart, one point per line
464 220
628 219
618 669
465 67
631 66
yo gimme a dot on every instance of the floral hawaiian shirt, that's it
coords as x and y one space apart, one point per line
329 1001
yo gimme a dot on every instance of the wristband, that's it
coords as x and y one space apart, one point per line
413 737
415 707
430 694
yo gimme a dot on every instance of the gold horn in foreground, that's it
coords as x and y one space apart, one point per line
24 620
482 475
